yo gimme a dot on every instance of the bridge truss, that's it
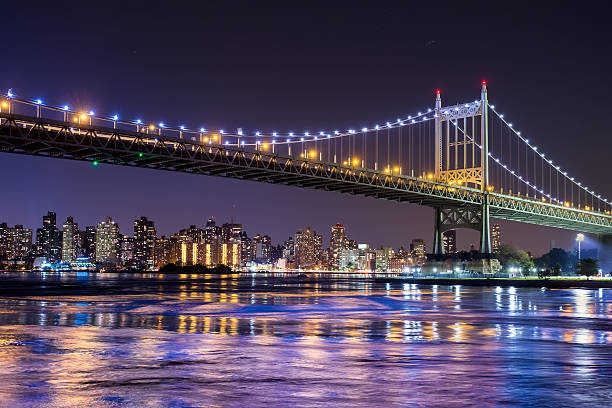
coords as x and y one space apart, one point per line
439 158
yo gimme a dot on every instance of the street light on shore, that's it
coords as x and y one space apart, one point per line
579 238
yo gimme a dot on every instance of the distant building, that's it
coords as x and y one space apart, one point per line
19 242
349 259
165 251
417 247
449 241
70 240
307 248
89 242
261 246
230 254
48 239
126 250
382 258
4 241
337 243
189 251
397 264
144 241
107 242
495 238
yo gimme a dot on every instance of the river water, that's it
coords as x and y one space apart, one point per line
79 340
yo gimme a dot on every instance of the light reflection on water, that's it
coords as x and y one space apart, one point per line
192 340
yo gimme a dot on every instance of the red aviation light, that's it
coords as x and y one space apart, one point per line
484 83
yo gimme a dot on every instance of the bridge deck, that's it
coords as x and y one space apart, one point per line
52 138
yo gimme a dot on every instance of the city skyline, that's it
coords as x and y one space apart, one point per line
229 244
326 232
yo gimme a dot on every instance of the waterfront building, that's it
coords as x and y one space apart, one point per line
89 242
307 248
449 241
126 250
48 239
246 248
261 248
495 238
289 249
144 241
166 250
417 247
398 264
19 242
230 254
107 242
349 259
382 258
337 243
4 241
70 240
189 251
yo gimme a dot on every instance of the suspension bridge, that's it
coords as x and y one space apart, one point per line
467 161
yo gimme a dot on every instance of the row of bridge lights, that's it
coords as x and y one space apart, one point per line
307 136
550 162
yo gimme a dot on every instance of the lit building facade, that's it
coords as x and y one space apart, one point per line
144 241
70 240
107 242
19 242
307 248
166 250
495 238
48 239
337 243
449 241
417 247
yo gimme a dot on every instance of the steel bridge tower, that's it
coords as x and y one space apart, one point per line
462 150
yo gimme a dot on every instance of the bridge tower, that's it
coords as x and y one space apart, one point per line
462 150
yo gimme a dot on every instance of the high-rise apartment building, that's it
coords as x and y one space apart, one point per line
19 242
48 239
107 241
166 251
261 245
4 241
307 247
144 241
89 242
70 240
417 247
337 243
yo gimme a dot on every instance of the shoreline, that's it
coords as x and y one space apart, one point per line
524 283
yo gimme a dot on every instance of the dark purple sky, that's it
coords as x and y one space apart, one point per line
316 65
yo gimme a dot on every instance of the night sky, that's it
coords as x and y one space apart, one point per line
286 67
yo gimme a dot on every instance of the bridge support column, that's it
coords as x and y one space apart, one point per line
438 247
605 253
485 227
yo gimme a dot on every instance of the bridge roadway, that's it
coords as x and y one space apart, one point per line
55 138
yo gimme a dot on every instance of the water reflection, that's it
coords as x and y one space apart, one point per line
245 338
